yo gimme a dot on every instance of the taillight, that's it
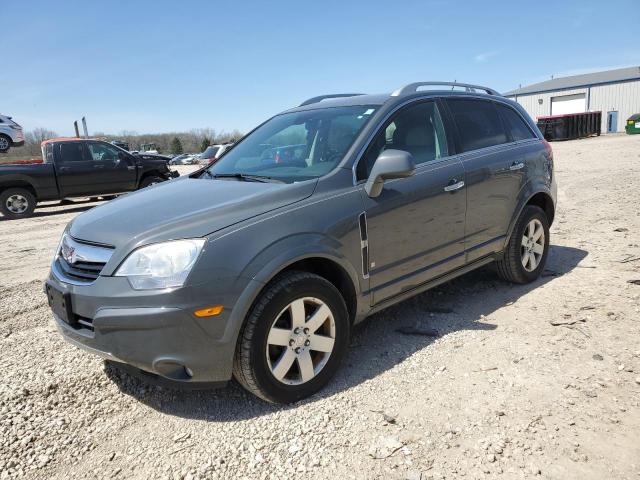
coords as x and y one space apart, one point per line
278 159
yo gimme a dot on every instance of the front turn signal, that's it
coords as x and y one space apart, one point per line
209 311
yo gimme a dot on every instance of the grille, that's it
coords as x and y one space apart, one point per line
79 261
83 271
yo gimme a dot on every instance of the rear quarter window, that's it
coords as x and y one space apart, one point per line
514 123
478 123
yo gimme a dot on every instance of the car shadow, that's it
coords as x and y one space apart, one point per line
481 291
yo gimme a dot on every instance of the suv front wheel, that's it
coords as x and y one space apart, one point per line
293 339
526 254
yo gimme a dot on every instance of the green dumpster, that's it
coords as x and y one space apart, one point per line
633 124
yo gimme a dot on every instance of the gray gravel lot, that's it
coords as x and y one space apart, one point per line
535 381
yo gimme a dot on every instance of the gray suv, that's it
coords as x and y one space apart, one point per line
258 266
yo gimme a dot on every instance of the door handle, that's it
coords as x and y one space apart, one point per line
98 166
131 167
454 186
516 166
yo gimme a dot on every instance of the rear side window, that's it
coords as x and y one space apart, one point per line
514 123
48 153
478 123
73 152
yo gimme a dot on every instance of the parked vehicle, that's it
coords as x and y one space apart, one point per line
213 153
74 167
121 144
260 270
11 134
184 159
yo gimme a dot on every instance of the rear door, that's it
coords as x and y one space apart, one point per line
74 169
415 228
115 170
494 166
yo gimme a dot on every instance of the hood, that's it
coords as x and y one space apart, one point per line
182 208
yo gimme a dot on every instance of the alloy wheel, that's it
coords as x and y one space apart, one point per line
532 246
4 143
300 341
17 204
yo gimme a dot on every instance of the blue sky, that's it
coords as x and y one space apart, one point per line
158 66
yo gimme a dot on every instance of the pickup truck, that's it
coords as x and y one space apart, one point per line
75 167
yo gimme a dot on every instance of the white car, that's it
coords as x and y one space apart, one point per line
11 134
213 153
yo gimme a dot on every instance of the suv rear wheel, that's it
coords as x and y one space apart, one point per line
526 254
17 203
294 338
5 143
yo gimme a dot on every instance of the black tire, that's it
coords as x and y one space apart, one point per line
5 143
150 180
8 198
510 266
251 367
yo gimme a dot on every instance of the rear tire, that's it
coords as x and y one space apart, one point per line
293 339
17 203
5 143
526 254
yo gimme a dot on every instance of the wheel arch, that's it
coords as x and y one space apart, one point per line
539 197
18 183
322 262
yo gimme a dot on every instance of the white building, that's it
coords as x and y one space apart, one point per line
616 93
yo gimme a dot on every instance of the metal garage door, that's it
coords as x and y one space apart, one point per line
568 104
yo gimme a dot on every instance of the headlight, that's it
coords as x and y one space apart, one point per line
162 265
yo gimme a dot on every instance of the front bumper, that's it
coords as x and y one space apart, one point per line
154 331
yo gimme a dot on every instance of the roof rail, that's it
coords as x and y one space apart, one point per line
413 87
324 97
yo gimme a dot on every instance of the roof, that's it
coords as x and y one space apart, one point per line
65 139
344 102
575 81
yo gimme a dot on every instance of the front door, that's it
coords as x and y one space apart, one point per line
612 122
115 170
416 226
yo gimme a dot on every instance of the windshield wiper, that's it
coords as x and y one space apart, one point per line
245 177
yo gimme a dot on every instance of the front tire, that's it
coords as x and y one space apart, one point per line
17 203
526 254
293 340
150 180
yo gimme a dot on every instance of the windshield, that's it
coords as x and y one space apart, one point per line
296 146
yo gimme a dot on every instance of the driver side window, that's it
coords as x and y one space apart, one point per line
417 129
102 152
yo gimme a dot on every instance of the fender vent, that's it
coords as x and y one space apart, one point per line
364 244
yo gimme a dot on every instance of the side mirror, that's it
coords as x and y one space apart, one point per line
389 164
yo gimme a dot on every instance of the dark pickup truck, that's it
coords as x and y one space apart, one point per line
74 167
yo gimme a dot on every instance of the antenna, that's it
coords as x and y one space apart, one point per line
75 125
84 127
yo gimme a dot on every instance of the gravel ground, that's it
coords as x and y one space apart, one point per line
536 381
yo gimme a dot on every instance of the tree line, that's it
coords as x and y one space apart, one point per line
193 141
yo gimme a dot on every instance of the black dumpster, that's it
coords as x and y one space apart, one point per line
570 126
